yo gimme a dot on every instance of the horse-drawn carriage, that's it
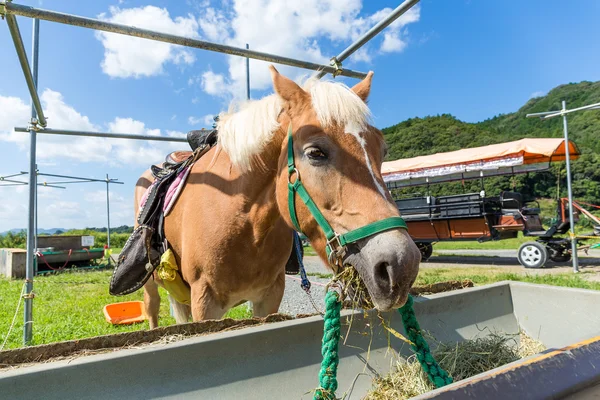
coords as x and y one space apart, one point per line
477 216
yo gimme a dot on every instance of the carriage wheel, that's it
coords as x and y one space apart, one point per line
532 255
426 250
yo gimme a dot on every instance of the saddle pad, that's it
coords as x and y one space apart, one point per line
151 199
175 189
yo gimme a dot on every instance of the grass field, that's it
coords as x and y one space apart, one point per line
506 244
69 306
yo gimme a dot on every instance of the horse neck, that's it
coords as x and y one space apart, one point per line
259 185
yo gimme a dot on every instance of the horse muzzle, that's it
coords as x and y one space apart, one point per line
388 264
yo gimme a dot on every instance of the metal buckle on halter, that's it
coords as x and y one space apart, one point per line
291 173
334 252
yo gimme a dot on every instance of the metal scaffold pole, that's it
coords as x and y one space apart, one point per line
107 211
570 191
31 225
563 112
247 75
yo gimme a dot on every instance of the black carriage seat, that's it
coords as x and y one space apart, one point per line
418 207
530 211
511 200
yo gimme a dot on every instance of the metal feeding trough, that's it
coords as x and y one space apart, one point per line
281 360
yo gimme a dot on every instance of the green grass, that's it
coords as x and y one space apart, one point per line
309 251
506 244
69 306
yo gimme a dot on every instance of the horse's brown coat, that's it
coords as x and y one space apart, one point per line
231 231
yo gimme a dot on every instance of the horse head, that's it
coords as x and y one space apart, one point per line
330 188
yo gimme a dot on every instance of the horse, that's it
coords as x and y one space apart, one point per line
231 229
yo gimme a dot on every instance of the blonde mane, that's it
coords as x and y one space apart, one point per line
244 133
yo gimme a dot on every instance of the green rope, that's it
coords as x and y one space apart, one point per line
434 372
331 337
329 348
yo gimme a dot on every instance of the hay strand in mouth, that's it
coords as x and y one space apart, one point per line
353 289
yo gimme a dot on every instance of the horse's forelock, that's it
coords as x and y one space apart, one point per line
244 133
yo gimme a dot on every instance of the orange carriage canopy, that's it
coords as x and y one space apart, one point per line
520 156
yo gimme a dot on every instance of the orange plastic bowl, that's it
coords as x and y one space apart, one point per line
125 313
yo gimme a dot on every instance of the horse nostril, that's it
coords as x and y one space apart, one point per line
382 273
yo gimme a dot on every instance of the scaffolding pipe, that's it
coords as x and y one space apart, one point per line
91 23
563 111
49 131
31 233
247 75
39 184
570 190
31 80
35 243
19 183
381 25
12 175
79 178
108 182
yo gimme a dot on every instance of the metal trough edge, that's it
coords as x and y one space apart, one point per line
552 374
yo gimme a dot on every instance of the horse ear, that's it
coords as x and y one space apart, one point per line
292 94
363 88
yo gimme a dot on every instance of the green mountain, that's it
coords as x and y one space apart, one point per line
434 134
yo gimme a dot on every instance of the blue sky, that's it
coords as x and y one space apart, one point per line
471 58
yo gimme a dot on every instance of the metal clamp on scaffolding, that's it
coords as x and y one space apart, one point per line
337 64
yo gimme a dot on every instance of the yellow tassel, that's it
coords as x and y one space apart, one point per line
167 272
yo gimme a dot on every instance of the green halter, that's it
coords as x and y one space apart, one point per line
335 242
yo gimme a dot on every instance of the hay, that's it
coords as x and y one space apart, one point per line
353 288
461 360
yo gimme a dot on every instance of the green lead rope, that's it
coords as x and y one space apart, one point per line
435 373
331 337
329 348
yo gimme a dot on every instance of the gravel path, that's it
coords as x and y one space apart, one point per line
295 300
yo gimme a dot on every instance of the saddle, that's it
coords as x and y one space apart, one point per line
142 252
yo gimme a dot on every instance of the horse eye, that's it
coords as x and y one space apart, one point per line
314 153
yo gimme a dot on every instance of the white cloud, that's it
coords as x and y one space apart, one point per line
14 112
209 119
214 25
194 120
213 84
288 28
126 56
293 29
206 120
176 134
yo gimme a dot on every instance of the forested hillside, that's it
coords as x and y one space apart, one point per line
422 136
